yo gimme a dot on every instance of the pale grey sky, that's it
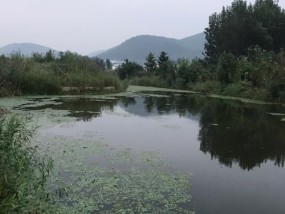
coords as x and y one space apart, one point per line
85 26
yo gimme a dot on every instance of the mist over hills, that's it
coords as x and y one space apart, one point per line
137 48
26 49
134 49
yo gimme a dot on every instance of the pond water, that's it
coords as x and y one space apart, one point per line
228 155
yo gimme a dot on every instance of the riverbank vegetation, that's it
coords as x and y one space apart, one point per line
244 56
23 172
51 72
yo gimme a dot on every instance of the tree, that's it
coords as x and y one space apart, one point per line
163 58
239 28
272 18
150 64
226 68
163 64
128 69
49 56
108 64
100 63
166 68
38 57
213 39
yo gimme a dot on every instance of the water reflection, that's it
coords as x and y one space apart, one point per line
241 134
230 131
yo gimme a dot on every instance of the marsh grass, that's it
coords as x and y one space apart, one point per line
23 172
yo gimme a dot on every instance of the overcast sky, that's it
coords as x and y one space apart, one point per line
85 26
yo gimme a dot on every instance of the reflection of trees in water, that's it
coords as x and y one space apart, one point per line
183 104
231 131
128 101
241 134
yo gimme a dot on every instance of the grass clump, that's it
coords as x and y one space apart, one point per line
23 172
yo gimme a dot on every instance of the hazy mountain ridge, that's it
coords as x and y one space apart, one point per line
136 48
95 53
26 49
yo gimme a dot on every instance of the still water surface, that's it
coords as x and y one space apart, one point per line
234 151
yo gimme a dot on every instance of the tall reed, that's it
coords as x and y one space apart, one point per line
22 171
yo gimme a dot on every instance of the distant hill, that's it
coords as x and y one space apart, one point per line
96 53
136 48
26 49
195 42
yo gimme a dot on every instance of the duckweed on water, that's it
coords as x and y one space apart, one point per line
94 178
91 177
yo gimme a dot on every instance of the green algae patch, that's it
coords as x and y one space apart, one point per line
91 177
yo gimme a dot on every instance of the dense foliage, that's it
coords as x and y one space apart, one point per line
239 28
49 73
